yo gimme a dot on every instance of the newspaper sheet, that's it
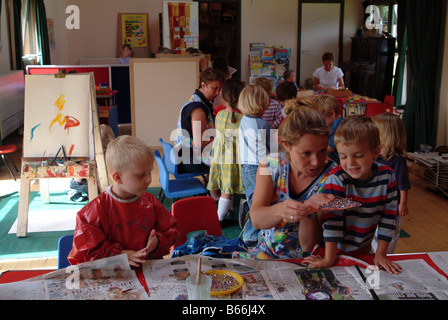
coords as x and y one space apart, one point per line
336 283
166 278
417 281
263 280
440 259
105 279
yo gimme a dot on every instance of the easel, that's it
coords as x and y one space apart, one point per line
91 169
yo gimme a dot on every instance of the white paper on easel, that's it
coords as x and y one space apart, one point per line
57 112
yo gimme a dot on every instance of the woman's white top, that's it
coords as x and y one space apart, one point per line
328 78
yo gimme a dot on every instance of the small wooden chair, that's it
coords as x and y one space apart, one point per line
7 150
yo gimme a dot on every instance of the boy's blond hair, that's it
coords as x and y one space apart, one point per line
253 100
265 83
358 128
327 105
300 121
124 150
392 135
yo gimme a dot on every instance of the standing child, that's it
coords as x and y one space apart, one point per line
124 219
254 140
273 113
331 109
225 170
360 178
126 54
393 151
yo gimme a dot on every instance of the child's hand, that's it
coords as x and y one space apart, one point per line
136 257
153 241
384 262
403 209
317 262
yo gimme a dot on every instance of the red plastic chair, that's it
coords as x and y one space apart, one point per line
194 214
372 109
7 149
390 103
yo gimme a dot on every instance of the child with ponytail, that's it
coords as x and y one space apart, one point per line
225 169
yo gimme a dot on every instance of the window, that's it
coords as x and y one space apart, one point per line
29 41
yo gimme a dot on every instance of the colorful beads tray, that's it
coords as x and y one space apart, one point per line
224 282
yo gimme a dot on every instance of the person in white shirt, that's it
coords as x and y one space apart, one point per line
328 76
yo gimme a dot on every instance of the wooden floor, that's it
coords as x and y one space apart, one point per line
427 222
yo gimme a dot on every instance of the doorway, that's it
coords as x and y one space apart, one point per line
320 30
220 31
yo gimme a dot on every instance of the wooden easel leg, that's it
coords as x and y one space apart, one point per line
24 202
44 186
93 188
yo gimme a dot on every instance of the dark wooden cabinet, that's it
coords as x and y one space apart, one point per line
369 71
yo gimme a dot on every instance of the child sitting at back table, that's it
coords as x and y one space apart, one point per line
273 113
126 54
124 219
330 107
359 177
393 152
290 76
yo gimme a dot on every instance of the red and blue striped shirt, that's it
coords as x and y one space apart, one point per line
353 229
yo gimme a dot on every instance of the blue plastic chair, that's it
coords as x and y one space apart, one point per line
177 188
65 244
171 165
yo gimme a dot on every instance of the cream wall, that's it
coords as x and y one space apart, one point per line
271 22
276 23
97 35
268 21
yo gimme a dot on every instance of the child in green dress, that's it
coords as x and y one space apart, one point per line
225 170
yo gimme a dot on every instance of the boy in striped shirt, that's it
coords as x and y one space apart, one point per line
359 177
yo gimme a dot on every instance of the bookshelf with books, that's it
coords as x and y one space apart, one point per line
268 62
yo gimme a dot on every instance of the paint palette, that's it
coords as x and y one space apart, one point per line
339 204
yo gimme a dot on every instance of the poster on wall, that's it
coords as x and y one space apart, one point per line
180 25
134 29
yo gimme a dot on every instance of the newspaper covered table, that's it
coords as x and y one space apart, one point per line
277 280
113 279
106 279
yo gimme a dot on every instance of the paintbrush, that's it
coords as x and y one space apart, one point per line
57 153
198 276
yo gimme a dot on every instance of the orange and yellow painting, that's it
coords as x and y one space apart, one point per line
57 113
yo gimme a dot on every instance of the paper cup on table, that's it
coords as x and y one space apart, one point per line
201 290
